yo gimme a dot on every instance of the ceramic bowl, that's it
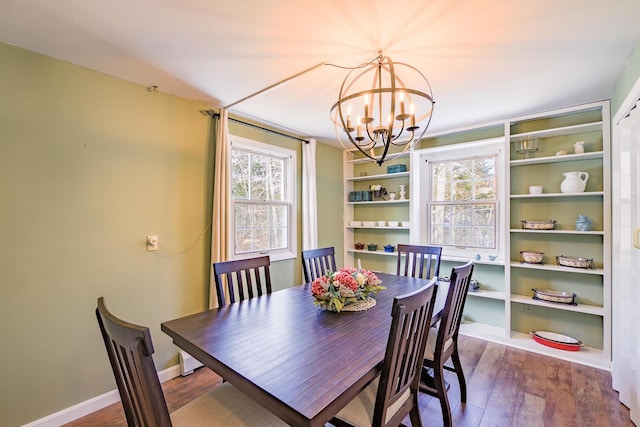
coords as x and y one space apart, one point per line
393 223
406 223
535 189
369 223
355 223
382 223
532 257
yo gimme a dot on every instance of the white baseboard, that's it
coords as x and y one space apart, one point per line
94 404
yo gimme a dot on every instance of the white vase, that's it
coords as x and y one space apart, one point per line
403 191
574 182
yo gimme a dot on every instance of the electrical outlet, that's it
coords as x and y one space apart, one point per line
152 243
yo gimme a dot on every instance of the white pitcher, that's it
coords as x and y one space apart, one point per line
574 182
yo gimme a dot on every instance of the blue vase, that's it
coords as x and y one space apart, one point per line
583 223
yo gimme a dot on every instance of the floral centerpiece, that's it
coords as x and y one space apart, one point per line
348 285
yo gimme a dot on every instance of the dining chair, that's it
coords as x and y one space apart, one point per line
130 352
419 261
388 399
442 343
316 263
252 279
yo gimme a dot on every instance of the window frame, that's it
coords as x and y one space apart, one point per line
421 189
289 194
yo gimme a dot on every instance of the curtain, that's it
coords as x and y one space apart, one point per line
625 370
309 196
221 197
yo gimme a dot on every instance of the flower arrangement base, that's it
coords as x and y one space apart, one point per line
348 289
360 305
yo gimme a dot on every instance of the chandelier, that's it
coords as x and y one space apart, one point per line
377 111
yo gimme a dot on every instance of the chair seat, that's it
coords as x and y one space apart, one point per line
225 406
359 412
431 344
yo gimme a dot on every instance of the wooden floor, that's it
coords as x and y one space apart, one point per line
505 387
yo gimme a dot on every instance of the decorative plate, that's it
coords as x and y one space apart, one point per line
559 341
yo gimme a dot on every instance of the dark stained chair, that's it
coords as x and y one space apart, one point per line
242 279
130 352
316 263
442 343
394 394
419 261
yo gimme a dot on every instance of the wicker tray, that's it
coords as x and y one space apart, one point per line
538 225
575 261
550 295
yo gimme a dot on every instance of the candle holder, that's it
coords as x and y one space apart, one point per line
526 146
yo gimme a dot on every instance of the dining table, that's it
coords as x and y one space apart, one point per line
302 363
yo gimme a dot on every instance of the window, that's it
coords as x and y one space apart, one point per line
262 200
456 198
462 202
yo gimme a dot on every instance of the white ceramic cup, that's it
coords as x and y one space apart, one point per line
535 189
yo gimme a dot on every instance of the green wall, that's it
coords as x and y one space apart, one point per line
89 166
626 80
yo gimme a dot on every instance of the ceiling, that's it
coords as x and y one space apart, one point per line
485 59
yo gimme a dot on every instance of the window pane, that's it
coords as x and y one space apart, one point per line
259 165
261 242
461 215
240 188
239 163
280 217
244 241
262 216
279 238
244 216
259 189
440 235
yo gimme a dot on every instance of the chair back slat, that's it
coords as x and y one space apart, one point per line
418 261
403 357
130 352
242 279
317 262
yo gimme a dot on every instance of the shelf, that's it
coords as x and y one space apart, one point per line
588 356
558 159
378 252
463 260
444 258
552 267
576 232
381 176
553 195
480 293
390 157
566 130
377 228
580 308
380 202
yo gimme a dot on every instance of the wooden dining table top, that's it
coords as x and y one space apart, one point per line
302 363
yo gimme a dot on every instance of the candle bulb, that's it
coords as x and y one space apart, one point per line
366 106
401 103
